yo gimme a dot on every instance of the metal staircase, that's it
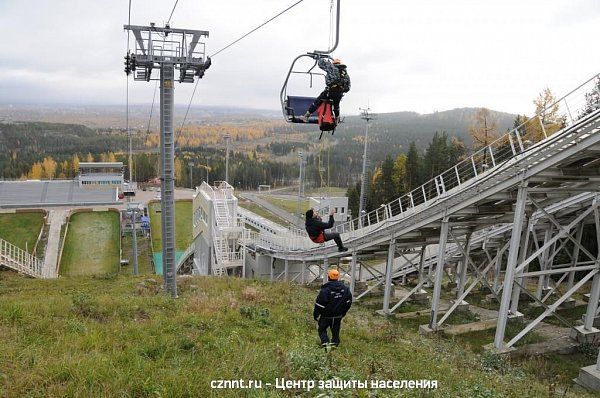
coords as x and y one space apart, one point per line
19 260
228 246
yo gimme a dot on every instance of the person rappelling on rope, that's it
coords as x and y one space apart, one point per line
332 304
337 83
315 228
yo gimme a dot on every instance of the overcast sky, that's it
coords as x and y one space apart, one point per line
420 55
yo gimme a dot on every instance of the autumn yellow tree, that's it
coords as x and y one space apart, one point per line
49 166
36 171
483 129
548 111
111 157
399 175
89 157
75 165
178 171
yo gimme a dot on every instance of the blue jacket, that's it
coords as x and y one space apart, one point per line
334 300
335 75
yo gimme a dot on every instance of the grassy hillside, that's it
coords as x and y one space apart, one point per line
19 228
183 225
91 245
118 337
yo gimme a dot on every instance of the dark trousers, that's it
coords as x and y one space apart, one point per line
334 95
334 324
335 236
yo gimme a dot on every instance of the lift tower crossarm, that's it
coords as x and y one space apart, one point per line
167 30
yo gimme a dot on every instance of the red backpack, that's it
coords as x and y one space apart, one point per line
327 120
318 239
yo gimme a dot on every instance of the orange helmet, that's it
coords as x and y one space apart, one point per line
333 274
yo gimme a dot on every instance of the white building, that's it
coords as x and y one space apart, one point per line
101 175
218 235
323 205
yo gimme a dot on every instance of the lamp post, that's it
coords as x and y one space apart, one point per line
228 139
366 116
191 164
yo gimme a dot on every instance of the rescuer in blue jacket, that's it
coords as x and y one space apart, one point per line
332 304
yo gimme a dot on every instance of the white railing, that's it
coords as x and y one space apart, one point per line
516 142
19 260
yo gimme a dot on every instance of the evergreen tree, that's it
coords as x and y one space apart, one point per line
354 198
592 99
413 167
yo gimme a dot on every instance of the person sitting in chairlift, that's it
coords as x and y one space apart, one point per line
337 83
315 228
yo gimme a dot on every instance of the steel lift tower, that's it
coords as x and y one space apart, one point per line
167 49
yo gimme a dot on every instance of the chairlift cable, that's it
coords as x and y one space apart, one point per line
186 112
225 48
257 28
172 11
151 111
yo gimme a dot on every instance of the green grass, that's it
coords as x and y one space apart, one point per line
144 255
116 337
288 205
21 228
183 225
91 245
261 211
476 340
556 367
572 315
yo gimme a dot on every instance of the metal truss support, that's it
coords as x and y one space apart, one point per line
575 257
325 269
439 274
388 275
462 274
429 275
286 270
592 272
422 265
353 272
360 271
525 250
303 280
513 253
498 268
592 307
272 268
545 263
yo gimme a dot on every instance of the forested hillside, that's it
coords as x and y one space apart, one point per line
264 149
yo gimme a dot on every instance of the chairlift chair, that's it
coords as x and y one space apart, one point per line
295 106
